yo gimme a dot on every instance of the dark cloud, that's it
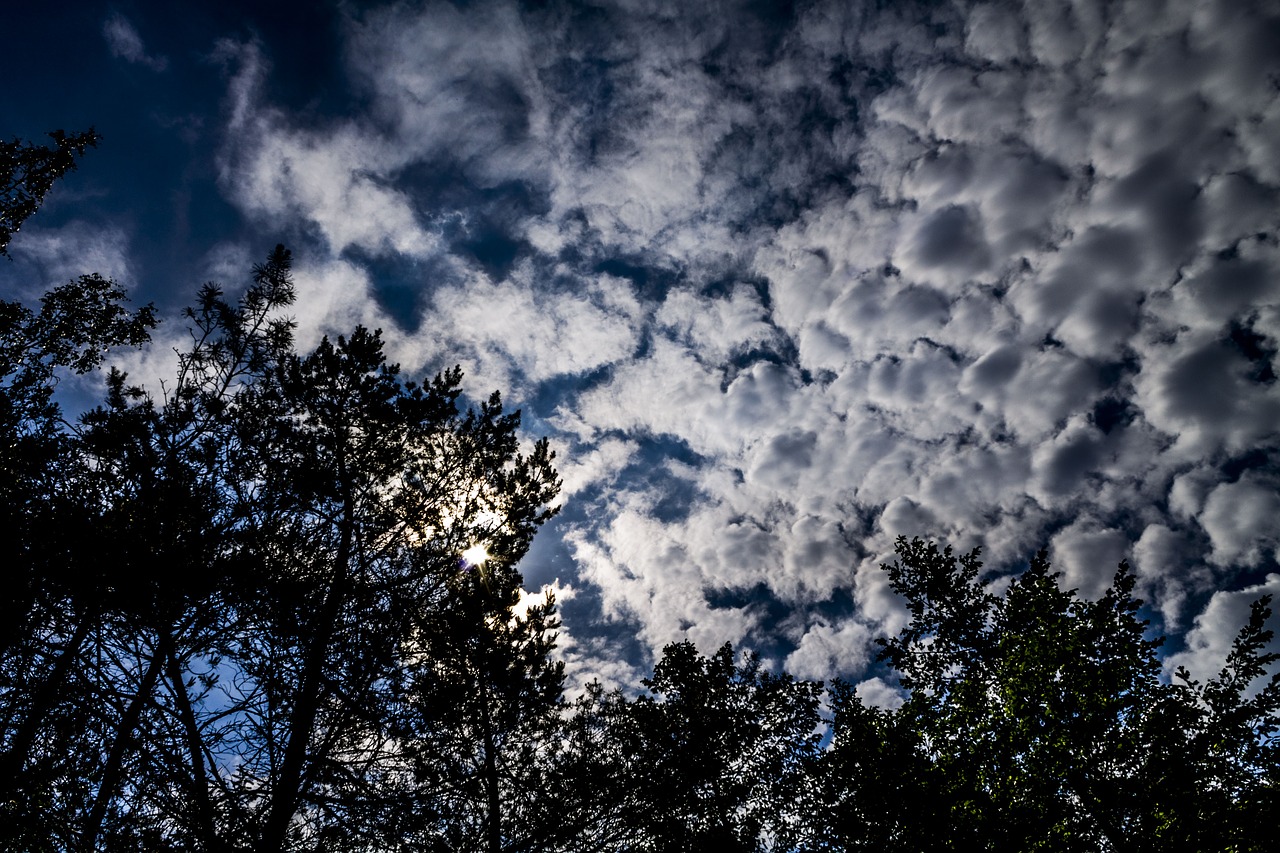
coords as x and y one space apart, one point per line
951 239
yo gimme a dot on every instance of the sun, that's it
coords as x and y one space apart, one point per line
475 555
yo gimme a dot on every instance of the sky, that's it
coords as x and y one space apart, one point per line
780 282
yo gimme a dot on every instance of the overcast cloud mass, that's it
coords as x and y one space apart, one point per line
781 283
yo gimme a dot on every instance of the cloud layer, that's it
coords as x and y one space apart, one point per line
784 288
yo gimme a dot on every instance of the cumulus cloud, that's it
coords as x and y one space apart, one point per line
514 332
785 288
1087 553
1216 627
1169 571
338 182
1241 520
878 693
826 648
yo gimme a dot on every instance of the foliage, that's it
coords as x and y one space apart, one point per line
222 644
1046 726
874 787
48 508
710 757
28 172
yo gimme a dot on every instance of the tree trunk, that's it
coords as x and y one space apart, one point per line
206 830
494 840
289 782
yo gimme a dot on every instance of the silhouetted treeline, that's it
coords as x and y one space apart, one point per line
271 606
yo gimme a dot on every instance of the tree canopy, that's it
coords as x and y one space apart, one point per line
1037 719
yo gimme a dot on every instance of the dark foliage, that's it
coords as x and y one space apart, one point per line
28 172
1037 720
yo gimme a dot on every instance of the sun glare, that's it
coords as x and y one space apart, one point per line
475 555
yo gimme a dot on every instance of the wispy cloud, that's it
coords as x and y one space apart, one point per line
124 42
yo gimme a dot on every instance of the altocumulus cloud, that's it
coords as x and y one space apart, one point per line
784 287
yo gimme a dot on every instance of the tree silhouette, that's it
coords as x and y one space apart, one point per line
875 787
342 499
1045 724
711 757
28 172
224 595
49 510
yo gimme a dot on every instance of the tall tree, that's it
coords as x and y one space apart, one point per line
47 509
366 491
874 787
484 717
170 518
233 660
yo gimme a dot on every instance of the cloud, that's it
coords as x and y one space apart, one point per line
1088 553
1240 519
878 693
785 288
828 648
75 249
124 42
514 333
1216 627
1199 388
1167 569
335 296
337 181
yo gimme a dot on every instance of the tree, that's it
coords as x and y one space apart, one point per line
239 616
484 716
1046 726
711 757
46 508
342 498
234 660
874 787
28 172
377 487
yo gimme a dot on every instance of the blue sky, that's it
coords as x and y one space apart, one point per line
781 282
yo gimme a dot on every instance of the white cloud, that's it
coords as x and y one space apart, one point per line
555 591
333 297
1243 520
1168 571
994 33
1216 627
75 249
878 693
826 648
501 327
338 180
1198 389
1087 553
644 574
601 464
869 290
